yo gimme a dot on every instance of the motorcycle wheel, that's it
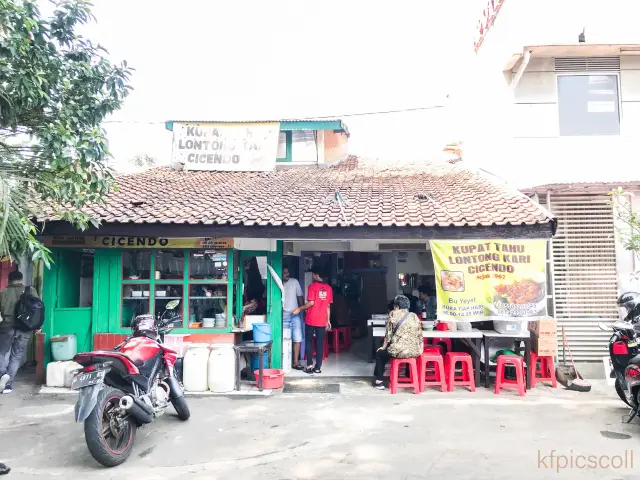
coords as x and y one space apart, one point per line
620 392
182 409
109 443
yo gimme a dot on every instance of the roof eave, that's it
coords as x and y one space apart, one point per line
574 50
336 125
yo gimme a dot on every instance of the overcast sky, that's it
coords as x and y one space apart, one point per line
212 59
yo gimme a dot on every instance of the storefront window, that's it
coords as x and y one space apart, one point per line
169 265
135 301
208 265
136 265
153 278
207 306
163 294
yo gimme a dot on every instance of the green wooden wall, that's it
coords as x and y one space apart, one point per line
61 292
274 316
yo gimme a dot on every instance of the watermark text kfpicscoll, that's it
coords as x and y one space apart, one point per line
557 461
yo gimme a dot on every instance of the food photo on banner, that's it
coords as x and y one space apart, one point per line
490 279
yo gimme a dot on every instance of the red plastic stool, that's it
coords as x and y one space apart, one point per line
325 353
338 343
466 379
437 379
434 349
413 381
502 382
436 341
547 370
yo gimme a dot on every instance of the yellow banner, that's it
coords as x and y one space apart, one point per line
214 243
490 279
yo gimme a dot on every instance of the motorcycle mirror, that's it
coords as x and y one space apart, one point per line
172 304
604 327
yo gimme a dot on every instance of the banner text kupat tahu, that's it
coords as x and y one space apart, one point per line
490 279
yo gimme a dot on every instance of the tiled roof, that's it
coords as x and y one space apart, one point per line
408 195
582 187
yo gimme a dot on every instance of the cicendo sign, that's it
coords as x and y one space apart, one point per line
232 147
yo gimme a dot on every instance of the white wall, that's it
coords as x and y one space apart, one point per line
515 134
416 262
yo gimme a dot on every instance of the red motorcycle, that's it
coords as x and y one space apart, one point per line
128 387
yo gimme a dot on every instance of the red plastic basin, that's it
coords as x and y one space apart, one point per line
272 378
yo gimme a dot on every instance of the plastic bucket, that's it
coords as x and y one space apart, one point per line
64 347
255 362
261 332
271 378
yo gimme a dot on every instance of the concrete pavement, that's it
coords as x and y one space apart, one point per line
358 434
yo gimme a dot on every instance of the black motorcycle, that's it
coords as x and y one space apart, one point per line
624 352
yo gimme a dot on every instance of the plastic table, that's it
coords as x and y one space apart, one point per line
254 348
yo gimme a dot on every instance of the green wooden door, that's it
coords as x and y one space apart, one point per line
273 296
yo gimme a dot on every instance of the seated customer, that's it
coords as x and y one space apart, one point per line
403 338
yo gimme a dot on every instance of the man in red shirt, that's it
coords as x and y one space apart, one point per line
319 300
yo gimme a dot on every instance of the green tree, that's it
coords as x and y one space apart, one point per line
627 220
56 87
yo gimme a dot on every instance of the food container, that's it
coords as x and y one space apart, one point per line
516 327
464 326
145 293
161 293
207 293
196 325
158 275
136 293
442 327
208 322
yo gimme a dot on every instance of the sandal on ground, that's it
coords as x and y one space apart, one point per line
298 367
317 370
309 370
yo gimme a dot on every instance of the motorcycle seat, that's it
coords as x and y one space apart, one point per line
635 360
137 363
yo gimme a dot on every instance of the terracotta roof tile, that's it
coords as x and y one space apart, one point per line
403 195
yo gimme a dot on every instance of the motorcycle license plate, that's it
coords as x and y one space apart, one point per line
632 344
82 380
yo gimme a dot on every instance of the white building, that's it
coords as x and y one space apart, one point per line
555 109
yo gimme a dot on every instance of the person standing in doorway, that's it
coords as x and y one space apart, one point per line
319 300
292 300
12 340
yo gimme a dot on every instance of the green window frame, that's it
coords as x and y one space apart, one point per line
186 284
289 147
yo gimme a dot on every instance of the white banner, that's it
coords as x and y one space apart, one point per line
235 147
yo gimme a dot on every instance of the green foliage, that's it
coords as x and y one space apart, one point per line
627 220
56 87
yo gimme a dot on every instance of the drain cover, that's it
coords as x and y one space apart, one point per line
311 388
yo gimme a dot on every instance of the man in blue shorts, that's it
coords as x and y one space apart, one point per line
293 299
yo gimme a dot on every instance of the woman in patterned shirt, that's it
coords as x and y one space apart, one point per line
403 338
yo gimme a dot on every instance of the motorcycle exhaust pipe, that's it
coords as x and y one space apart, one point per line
138 410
